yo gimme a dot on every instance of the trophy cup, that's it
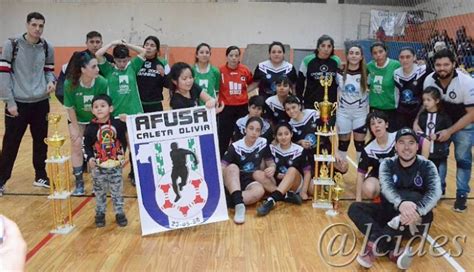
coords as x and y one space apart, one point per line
338 190
56 140
325 108
58 168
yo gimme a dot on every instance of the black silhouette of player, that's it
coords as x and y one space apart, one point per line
179 170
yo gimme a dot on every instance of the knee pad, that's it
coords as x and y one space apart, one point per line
343 145
359 145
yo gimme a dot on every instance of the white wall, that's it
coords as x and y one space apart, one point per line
187 24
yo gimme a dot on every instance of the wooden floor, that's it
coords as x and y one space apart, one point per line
287 239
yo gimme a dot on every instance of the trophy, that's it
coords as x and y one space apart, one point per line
56 140
325 108
58 168
338 190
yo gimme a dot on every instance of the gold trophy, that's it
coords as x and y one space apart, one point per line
59 175
325 108
56 140
338 190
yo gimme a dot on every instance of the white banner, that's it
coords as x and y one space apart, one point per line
392 22
177 169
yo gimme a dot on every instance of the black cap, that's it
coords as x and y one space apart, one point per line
406 131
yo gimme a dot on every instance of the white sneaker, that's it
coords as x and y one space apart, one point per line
41 182
239 216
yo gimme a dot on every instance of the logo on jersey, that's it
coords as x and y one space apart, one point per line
407 96
395 178
418 180
123 84
323 68
311 138
87 100
235 88
452 95
147 64
269 76
282 169
431 125
248 167
350 88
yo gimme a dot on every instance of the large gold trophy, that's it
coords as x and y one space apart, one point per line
59 177
326 109
326 196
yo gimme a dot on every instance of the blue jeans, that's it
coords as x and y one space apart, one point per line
463 154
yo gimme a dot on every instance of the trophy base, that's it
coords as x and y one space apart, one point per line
322 205
324 181
332 212
324 158
64 229
60 195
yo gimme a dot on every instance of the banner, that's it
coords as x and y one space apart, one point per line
392 22
177 169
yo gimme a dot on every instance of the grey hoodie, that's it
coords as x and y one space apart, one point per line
26 81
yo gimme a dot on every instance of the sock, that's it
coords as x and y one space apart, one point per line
276 196
237 197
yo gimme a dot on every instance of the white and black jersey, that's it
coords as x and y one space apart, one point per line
266 74
458 95
239 129
150 81
431 123
351 96
305 129
274 110
291 157
373 154
247 158
410 89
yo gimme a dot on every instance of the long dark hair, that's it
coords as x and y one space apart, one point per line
175 73
199 48
362 69
80 60
156 41
322 39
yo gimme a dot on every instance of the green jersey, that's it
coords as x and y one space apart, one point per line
80 98
123 87
382 93
209 80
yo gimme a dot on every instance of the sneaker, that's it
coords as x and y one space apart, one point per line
292 197
79 190
460 204
239 216
402 259
368 258
100 220
266 207
2 190
42 182
121 219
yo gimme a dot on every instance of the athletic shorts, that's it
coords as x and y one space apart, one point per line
246 179
300 186
348 120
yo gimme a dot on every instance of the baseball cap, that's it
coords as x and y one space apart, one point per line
404 132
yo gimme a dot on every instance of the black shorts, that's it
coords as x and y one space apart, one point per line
245 180
372 174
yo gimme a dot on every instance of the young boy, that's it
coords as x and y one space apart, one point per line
255 107
104 142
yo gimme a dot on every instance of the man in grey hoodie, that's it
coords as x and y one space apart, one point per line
26 80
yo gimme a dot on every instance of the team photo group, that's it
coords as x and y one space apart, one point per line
401 115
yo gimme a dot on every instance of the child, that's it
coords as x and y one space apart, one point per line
432 120
275 112
122 77
184 92
241 168
104 140
255 107
291 166
206 75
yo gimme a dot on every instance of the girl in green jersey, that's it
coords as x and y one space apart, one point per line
207 76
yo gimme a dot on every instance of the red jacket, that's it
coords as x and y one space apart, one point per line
233 87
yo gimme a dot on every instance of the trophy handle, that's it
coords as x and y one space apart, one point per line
316 106
45 140
334 107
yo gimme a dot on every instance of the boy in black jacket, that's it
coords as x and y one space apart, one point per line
104 141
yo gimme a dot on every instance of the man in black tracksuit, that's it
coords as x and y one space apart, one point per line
410 187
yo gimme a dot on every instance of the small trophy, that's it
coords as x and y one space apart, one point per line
325 108
338 190
58 168
56 140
